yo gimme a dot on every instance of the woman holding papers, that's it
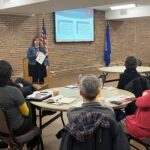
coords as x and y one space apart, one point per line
37 61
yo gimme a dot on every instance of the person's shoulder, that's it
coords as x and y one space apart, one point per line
13 88
31 48
107 108
108 111
122 75
74 109
73 113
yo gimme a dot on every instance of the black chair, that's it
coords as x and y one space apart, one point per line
17 142
103 78
137 86
145 142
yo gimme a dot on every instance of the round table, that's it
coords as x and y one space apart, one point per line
66 92
120 69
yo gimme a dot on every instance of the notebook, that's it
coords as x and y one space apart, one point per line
39 95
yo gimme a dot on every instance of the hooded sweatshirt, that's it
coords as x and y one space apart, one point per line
93 131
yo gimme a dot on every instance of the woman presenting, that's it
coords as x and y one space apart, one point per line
37 70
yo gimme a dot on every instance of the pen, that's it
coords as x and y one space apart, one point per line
43 92
58 99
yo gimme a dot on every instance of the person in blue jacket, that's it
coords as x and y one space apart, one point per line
36 70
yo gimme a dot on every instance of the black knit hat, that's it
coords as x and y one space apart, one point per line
131 62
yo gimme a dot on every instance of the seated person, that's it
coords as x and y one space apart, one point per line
125 79
25 86
93 131
17 110
26 89
89 86
92 126
130 72
138 124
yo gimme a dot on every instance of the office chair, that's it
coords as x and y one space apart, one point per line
17 142
103 78
145 142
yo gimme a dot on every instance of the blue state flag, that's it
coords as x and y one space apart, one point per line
107 50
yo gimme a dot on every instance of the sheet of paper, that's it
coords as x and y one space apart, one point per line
40 58
53 99
72 86
66 100
117 98
60 99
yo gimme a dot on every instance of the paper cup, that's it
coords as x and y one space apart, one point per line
55 92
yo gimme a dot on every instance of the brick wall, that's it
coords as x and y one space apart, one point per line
75 55
16 34
129 37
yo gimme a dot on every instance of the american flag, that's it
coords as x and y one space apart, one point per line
43 38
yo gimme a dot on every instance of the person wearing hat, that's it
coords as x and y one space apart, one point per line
130 72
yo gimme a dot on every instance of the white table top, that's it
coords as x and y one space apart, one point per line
66 92
120 69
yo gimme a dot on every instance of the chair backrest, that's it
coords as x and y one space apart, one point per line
137 86
17 142
103 79
4 129
145 142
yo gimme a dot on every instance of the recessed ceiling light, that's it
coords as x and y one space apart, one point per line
123 6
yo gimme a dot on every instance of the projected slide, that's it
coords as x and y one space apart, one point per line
74 25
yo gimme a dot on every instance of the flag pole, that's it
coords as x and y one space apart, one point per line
44 38
43 20
107 50
44 28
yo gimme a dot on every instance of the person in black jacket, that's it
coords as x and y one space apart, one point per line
130 73
25 86
93 131
131 81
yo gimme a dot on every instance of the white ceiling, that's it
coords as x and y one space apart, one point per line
28 7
